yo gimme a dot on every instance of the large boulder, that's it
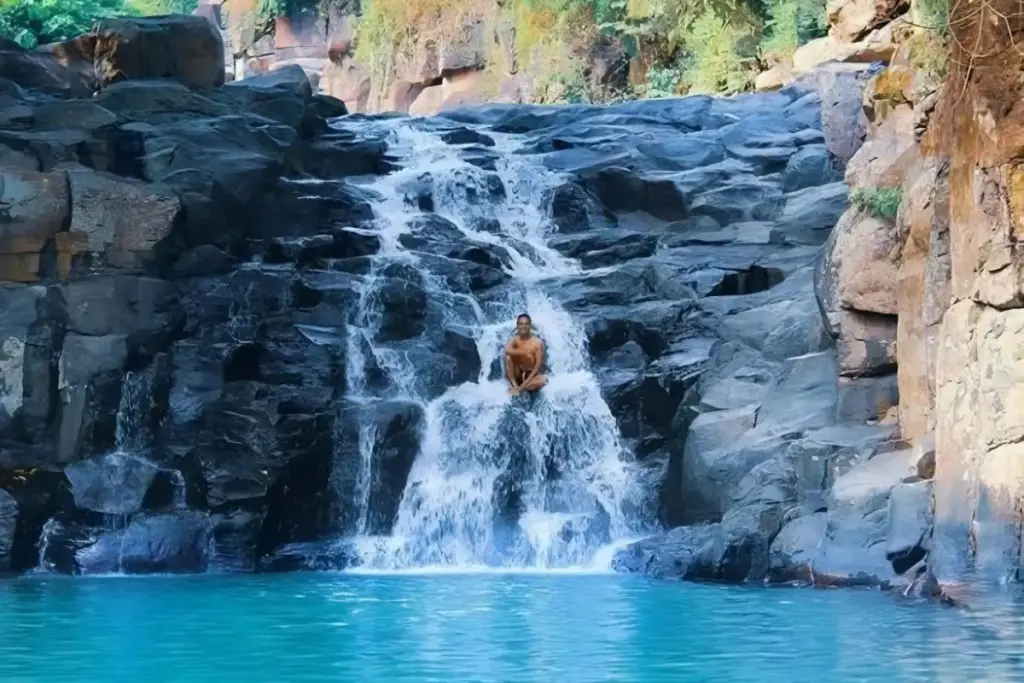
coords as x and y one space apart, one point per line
171 543
188 49
114 484
850 20
121 220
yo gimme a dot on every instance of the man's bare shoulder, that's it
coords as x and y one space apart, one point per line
534 342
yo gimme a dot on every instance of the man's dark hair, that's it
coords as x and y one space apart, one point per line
521 316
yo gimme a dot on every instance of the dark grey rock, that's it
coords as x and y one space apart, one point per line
114 484
173 543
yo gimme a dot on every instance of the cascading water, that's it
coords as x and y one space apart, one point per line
533 482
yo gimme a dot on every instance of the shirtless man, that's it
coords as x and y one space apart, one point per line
524 354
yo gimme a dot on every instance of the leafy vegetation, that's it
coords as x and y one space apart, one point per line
881 202
34 22
682 45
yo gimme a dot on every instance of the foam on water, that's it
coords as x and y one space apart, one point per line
556 458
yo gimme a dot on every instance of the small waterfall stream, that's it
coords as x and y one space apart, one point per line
541 482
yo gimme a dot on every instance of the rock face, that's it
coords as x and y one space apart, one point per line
128 214
186 266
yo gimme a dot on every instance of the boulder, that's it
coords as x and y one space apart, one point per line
121 220
349 81
114 484
188 49
843 122
866 344
887 155
854 551
796 548
850 20
809 166
863 263
172 543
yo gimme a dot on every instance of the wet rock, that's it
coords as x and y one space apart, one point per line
8 527
796 547
114 484
173 543
205 259
854 549
574 209
683 553
394 432
315 556
910 524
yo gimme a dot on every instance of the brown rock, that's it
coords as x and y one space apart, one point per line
121 220
428 102
886 91
430 60
240 19
774 78
863 265
986 262
979 441
850 20
35 210
188 49
401 96
888 153
923 456
877 47
923 293
349 81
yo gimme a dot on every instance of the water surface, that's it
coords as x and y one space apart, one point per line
486 627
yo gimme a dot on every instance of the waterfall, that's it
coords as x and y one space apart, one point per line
535 482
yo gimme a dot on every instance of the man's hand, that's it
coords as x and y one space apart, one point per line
514 390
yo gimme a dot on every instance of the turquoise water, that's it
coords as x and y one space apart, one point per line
485 627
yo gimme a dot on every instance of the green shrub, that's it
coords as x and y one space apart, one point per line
882 202
721 54
791 23
34 22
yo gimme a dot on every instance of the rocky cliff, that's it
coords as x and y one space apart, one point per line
184 262
133 187
817 385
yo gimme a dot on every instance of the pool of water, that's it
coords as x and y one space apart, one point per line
486 627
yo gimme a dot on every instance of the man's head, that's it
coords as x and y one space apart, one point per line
523 324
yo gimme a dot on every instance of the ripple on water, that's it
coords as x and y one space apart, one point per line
489 627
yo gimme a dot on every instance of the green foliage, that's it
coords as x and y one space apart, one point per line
31 22
881 202
933 14
34 22
663 82
721 54
791 23
156 8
